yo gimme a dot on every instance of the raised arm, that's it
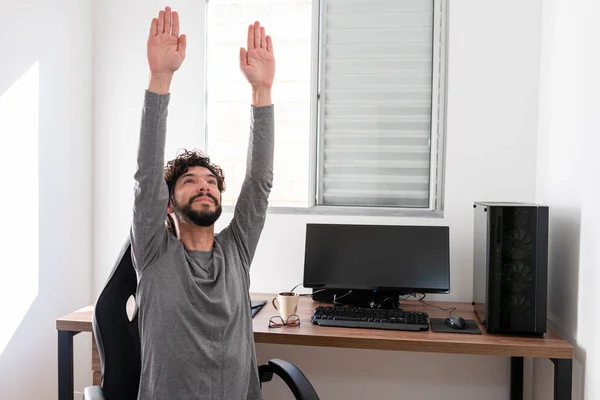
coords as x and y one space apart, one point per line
166 52
257 63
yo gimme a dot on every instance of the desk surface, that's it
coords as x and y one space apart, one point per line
307 334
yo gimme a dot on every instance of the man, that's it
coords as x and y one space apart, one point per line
194 305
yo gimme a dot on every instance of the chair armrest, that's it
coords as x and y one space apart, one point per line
93 393
291 375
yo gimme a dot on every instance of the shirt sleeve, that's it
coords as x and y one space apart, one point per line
151 197
251 207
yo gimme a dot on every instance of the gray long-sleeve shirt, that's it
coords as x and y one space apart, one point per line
195 320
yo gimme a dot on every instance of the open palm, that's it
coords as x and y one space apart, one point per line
257 61
166 49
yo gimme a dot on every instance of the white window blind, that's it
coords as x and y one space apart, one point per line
229 95
378 98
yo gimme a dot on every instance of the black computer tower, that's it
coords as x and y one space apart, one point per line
510 267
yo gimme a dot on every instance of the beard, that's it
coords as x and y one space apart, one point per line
198 217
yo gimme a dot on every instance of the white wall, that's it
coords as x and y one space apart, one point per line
45 147
491 155
567 182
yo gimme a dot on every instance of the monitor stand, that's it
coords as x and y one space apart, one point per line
369 299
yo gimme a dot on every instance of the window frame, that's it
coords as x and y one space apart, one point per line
437 135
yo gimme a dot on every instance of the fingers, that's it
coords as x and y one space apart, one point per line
243 57
250 43
263 38
257 38
167 22
168 14
175 21
269 45
182 44
153 26
257 34
161 22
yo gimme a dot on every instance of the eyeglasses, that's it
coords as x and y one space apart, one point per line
277 321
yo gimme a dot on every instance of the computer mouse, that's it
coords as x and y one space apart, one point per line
456 322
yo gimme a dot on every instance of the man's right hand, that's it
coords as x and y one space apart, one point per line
166 50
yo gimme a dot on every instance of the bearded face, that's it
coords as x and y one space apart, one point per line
196 197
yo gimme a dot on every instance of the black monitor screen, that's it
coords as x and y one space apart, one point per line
408 259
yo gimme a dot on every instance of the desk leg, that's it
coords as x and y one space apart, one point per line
516 378
563 378
65 365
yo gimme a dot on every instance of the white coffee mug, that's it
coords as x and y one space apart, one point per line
288 304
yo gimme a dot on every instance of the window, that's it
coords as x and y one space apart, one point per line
359 93
228 93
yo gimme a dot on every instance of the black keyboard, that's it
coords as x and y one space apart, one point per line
373 318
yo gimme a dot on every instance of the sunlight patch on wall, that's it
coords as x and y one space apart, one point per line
19 237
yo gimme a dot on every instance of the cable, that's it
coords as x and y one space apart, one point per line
380 304
335 298
409 296
306 294
294 288
310 294
451 309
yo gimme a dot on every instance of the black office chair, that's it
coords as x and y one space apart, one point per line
118 342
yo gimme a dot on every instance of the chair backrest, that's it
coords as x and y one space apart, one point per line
118 338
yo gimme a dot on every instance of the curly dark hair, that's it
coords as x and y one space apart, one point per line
191 158
179 166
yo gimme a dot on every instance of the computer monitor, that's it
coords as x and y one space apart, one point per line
394 259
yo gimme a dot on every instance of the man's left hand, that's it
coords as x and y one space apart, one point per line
257 62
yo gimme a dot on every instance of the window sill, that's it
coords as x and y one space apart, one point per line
352 211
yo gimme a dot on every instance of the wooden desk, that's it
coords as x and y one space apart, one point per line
551 346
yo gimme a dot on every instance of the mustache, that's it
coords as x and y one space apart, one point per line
214 199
